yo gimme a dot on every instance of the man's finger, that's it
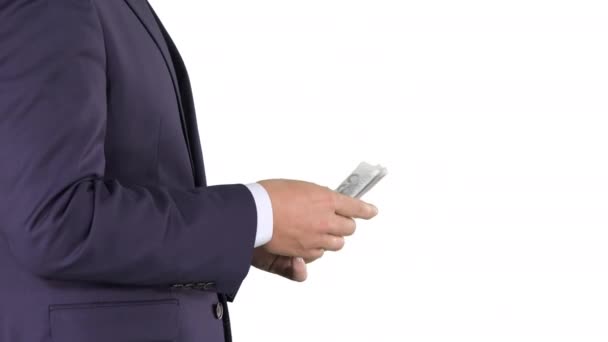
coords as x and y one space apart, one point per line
299 270
332 243
313 255
291 268
342 226
355 208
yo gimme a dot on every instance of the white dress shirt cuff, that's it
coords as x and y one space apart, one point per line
264 208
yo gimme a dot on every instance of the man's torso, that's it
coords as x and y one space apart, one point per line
145 144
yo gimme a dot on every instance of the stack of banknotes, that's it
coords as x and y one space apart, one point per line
360 181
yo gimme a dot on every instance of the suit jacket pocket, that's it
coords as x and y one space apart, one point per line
141 321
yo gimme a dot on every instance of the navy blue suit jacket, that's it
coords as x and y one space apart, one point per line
108 231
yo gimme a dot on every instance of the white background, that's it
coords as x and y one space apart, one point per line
491 117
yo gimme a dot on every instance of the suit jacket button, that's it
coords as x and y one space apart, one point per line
219 310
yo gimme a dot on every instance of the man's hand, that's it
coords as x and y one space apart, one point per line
310 219
292 268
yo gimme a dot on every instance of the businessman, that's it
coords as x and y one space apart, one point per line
108 231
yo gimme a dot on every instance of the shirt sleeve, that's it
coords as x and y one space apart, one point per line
264 210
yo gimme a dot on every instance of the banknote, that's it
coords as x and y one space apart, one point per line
362 179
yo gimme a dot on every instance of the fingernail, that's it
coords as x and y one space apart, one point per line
373 209
300 260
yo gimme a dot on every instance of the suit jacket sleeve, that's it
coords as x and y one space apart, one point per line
62 218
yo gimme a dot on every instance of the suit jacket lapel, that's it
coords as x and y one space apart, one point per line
144 12
187 101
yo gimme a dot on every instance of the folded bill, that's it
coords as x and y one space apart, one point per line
360 181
